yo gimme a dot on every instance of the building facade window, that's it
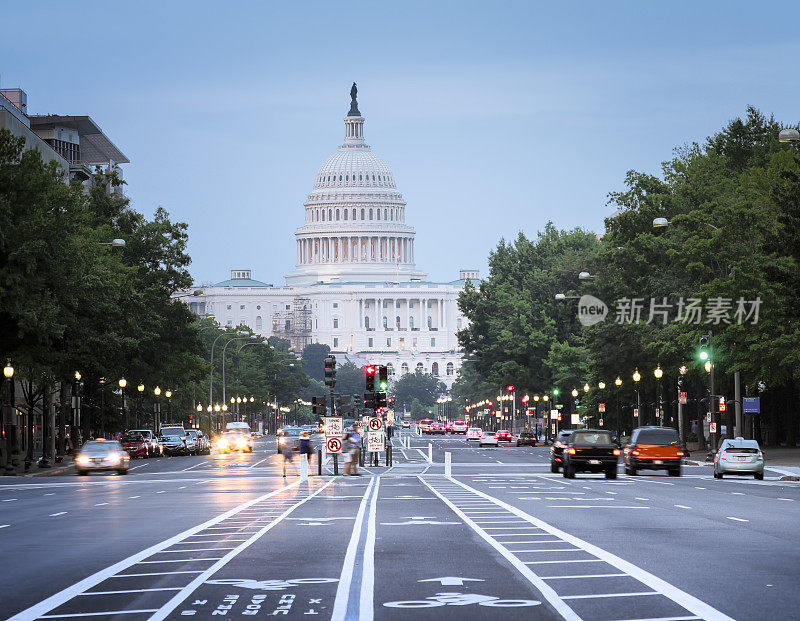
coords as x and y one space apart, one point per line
433 342
450 369
420 368
388 342
369 342
335 341
335 322
258 323
404 368
390 369
435 369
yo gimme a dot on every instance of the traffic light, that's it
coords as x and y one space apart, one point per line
381 400
704 352
318 406
510 388
556 392
383 378
370 400
190 420
370 371
330 370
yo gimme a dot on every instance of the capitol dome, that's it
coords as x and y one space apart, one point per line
354 218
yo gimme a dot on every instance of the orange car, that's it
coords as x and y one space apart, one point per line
653 448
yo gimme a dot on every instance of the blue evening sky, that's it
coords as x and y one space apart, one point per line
494 116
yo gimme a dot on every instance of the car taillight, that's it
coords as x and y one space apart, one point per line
616 451
571 451
680 453
634 452
760 457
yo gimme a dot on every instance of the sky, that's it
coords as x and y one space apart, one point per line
495 117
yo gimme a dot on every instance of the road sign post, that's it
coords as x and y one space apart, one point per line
334 430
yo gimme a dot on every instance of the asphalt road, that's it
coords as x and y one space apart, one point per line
227 536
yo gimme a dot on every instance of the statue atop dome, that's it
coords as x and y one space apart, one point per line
353 103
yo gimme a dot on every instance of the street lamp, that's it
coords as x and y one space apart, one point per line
114 243
789 135
659 374
586 388
601 385
585 276
122 383
140 388
168 395
618 384
636 377
574 392
8 417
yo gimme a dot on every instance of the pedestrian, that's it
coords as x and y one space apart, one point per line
355 447
288 456
346 452
304 445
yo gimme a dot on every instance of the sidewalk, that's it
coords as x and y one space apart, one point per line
66 466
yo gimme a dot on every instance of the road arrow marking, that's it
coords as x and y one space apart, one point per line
452 580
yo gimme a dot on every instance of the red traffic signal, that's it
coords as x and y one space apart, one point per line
510 388
370 370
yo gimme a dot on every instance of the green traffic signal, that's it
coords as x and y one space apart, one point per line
555 392
703 355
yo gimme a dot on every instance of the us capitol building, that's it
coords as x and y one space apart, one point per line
355 287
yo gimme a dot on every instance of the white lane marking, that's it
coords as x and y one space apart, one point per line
182 487
4 525
96 614
9 499
89 593
547 592
699 487
139 466
367 603
100 504
135 496
583 576
738 519
50 494
179 560
738 493
642 499
57 514
593 596
689 602
582 560
259 462
196 465
158 573
37 610
179 597
788 499
163 491
194 550
682 506
595 507
649 481
346 577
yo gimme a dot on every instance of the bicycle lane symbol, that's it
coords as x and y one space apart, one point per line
463 599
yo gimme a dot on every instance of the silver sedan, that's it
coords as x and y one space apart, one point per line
102 455
739 456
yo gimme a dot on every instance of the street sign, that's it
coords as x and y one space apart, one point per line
601 422
713 427
390 418
682 398
376 441
375 424
333 445
554 428
554 414
751 405
601 407
334 427
575 419
636 412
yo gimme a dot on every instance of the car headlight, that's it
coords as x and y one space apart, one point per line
281 440
112 458
241 442
82 459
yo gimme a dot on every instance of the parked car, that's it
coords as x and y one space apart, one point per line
448 428
154 448
488 438
526 438
406 424
134 444
200 444
460 426
739 456
102 455
591 450
424 425
653 448
557 450
474 433
503 435
174 445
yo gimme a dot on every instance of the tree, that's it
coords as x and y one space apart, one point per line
418 410
350 380
314 360
423 387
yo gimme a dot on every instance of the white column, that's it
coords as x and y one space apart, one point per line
408 316
423 311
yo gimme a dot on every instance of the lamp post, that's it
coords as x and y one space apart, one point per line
659 374
241 338
122 383
681 424
636 378
574 394
75 424
199 416
168 395
157 410
8 418
618 383
139 388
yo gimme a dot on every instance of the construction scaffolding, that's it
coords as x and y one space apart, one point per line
294 324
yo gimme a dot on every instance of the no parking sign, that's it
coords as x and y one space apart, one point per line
333 445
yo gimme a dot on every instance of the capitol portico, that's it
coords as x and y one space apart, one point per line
355 286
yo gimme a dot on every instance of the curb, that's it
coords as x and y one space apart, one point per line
49 472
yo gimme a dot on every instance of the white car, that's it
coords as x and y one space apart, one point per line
488 438
474 433
459 426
